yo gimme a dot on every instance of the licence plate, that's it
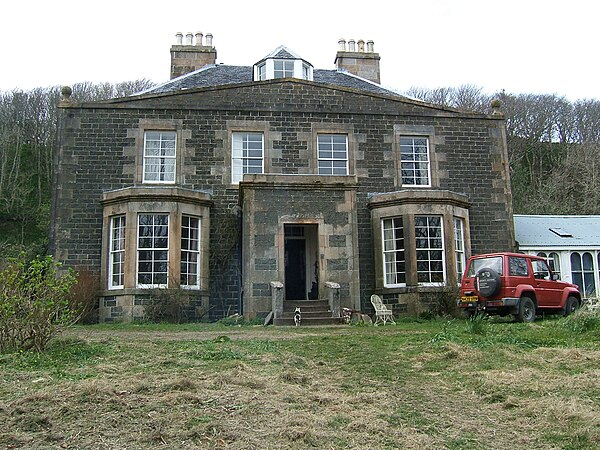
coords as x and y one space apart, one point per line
469 299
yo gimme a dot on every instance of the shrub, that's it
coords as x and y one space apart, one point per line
477 324
582 321
167 305
34 303
85 294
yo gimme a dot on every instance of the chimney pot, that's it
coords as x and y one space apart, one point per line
209 38
199 36
342 45
370 46
351 45
179 37
361 45
188 38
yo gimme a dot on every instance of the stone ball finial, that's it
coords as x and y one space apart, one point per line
496 104
66 92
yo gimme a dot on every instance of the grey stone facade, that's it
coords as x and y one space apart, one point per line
245 227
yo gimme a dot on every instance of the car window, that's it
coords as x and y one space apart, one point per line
517 266
540 269
493 262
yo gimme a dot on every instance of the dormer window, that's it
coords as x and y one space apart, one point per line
282 63
283 68
262 71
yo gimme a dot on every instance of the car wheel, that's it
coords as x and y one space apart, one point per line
571 306
488 282
526 310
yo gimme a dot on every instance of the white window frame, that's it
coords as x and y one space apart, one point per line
429 249
583 288
167 163
117 251
411 158
326 144
152 249
392 255
189 254
287 69
459 248
262 71
240 159
553 260
306 72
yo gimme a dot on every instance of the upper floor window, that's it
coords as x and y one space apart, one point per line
332 152
282 63
247 155
262 71
159 157
414 161
305 72
283 68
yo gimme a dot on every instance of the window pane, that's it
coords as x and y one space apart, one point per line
518 266
190 253
153 244
430 245
116 267
159 156
414 157
393 253
247 155
332 154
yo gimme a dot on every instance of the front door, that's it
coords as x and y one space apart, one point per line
295 268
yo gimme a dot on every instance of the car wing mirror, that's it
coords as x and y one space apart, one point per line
555 277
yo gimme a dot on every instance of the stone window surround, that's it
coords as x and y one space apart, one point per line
247 126
138 133
426 131
407 204
176 202
332 128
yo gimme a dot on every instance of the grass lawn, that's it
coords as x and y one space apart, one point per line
435 384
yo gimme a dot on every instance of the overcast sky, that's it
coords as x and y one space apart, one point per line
522 46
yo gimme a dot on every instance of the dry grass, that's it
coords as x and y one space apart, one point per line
351 387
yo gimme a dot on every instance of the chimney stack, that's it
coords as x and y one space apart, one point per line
186 58
364 64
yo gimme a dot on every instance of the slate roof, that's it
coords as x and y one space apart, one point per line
557 231
221 75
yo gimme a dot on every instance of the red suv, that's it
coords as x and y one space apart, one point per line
515 283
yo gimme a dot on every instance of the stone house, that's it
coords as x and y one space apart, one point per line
226 179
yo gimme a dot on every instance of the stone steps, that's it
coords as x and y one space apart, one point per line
314 313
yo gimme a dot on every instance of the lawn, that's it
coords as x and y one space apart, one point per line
431 384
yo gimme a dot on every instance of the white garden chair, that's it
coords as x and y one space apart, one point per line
382 313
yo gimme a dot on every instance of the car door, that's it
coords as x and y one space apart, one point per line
548 291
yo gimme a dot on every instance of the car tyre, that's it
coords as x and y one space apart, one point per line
571 306
526 310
